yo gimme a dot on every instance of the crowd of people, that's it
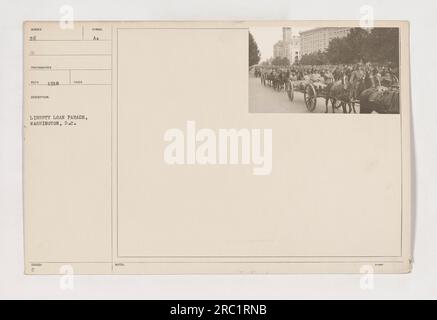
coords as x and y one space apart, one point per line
375 75
375 86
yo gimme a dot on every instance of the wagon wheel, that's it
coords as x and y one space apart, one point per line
337 103
310 97
290 90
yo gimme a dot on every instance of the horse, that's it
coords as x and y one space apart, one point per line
340 93
263 78
381 101
346 92
276 80
270 78
382 97
281 79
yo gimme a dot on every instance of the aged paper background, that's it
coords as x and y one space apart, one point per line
337 199
420 284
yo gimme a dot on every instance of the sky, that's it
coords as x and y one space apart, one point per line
266 37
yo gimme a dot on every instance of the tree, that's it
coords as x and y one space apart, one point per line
358 40
315 58
265 63
339 51
285 61
383 45
281 62
350 49
379 45
254 54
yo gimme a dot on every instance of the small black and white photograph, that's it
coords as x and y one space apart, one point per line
324 70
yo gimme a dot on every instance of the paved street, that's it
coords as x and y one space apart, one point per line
263 99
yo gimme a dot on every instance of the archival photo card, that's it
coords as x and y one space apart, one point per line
204 147
324 70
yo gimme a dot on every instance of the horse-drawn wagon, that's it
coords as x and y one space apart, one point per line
312 88
384 98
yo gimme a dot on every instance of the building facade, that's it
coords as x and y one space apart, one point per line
288 47
316 40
